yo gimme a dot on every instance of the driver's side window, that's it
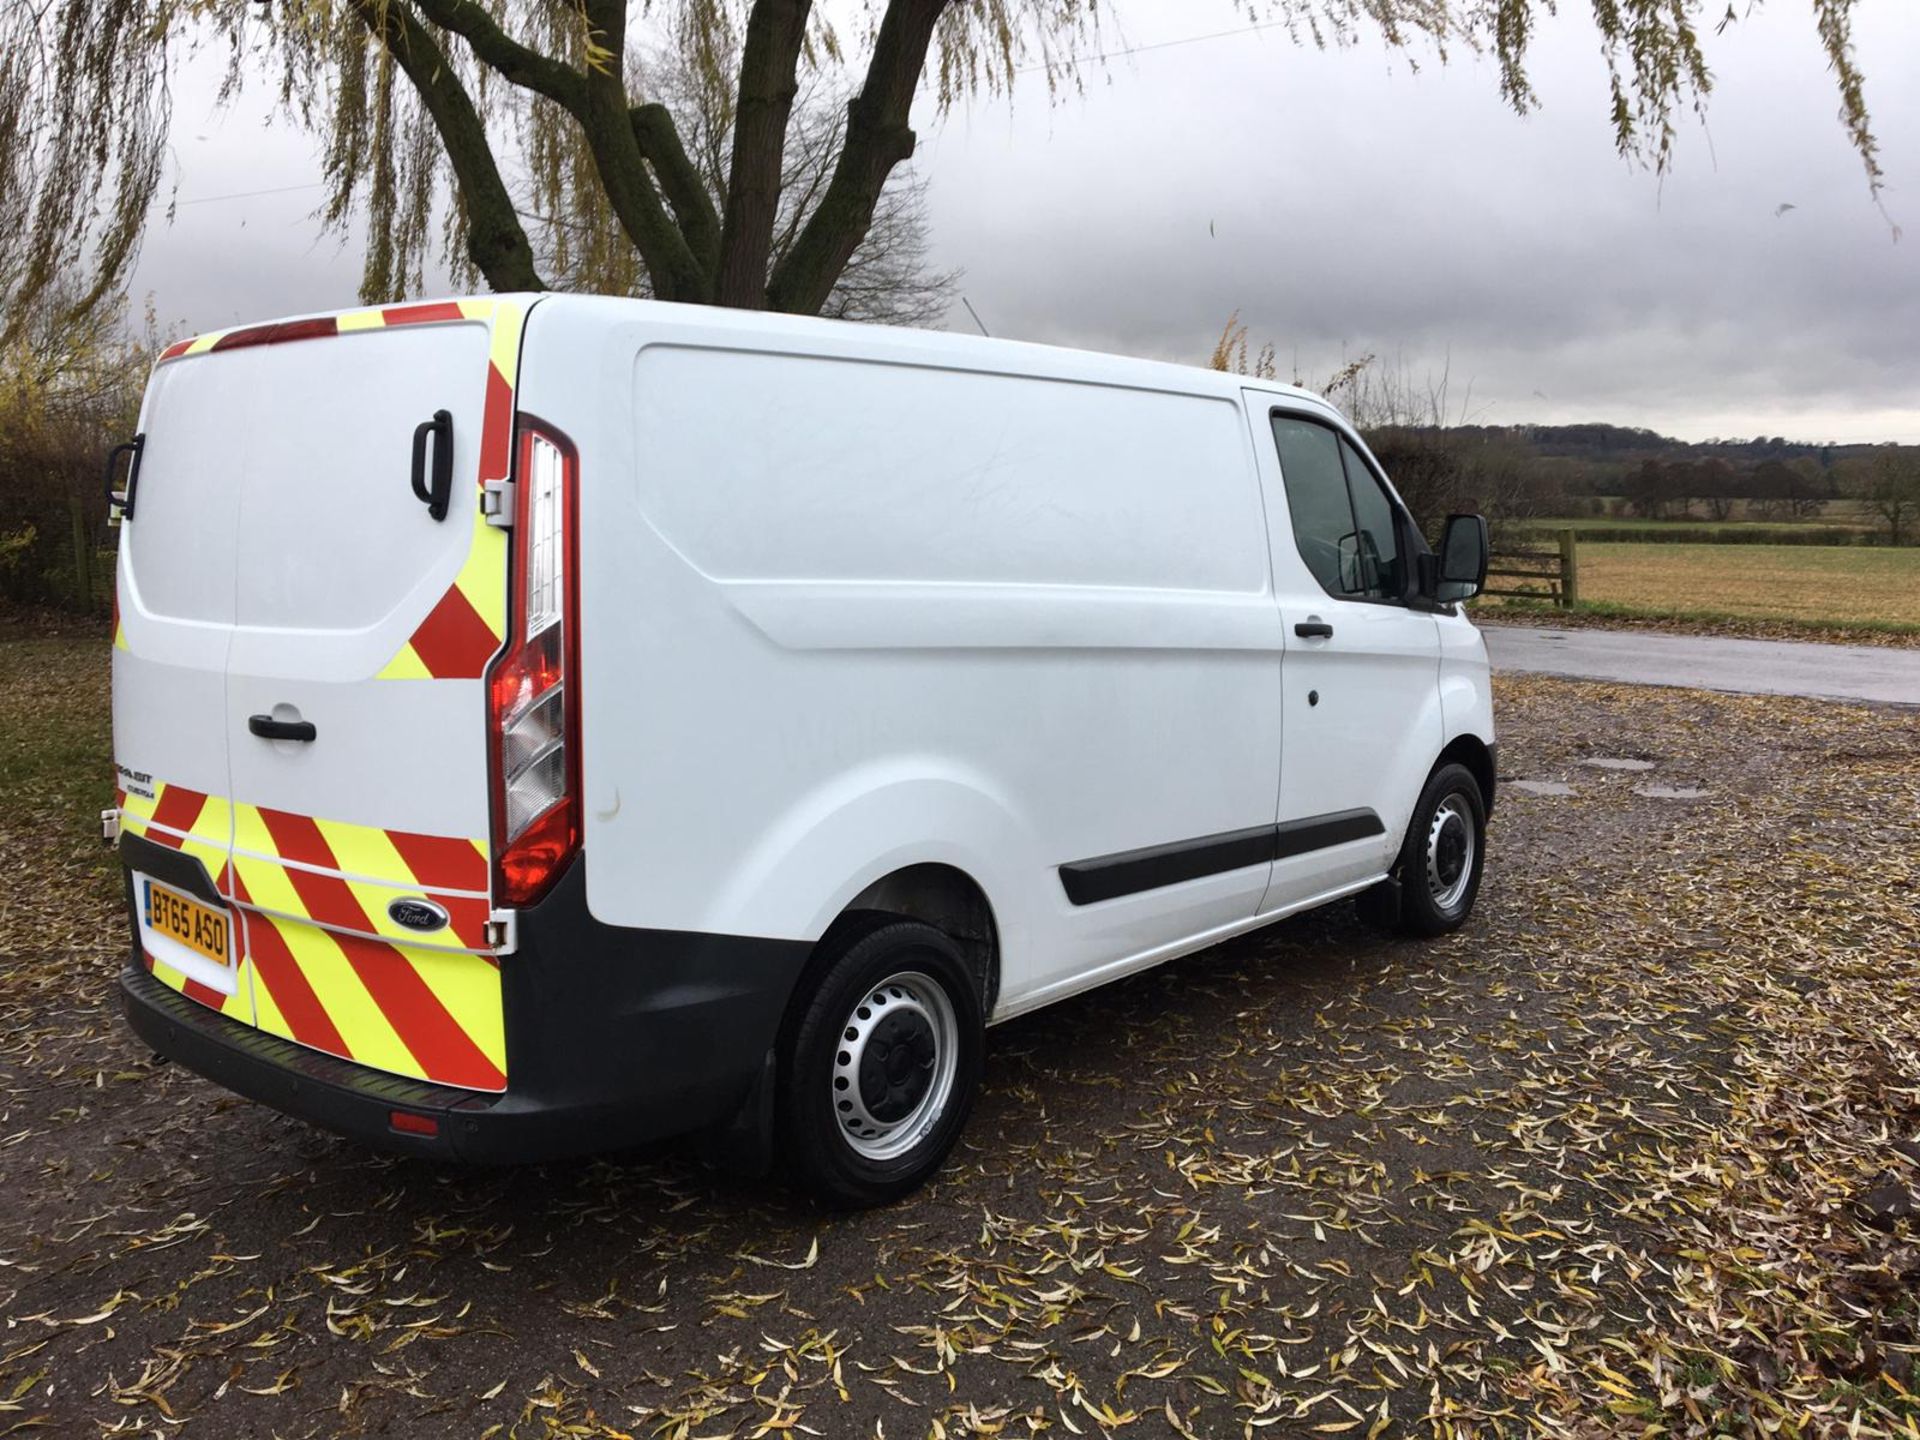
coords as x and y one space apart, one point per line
1342 520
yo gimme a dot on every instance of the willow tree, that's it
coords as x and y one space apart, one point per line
457 123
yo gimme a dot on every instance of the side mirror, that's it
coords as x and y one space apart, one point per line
1359 562
1464 553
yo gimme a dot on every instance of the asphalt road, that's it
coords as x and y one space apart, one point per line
1711 662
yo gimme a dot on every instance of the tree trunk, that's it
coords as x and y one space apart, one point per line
776 30
878 138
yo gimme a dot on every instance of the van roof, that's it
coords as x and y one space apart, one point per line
806 332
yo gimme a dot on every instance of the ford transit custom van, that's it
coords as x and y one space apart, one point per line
548 723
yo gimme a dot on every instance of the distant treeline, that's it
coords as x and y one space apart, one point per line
1533 472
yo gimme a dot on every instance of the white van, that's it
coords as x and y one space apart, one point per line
547 723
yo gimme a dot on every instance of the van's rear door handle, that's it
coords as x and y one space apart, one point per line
435 496
268 728
1313 630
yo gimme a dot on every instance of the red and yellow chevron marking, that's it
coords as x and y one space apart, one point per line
318 958
469 622
344 876
430 1014
201 826
327 971
181 819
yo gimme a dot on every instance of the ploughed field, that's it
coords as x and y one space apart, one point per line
1634 1148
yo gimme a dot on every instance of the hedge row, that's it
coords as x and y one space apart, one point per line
1711 535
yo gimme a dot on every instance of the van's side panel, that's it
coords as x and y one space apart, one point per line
852 606
1466 688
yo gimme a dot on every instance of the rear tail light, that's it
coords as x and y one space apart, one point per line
533 688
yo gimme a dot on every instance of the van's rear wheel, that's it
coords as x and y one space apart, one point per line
1438 872
878 1073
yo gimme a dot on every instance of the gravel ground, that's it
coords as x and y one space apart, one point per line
1633 1150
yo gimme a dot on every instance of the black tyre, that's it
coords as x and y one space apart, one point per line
879 1064
1438 873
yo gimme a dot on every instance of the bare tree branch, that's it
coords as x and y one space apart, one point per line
878 138
660 144
518 64
496 242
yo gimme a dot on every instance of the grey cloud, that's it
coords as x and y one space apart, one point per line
1345 204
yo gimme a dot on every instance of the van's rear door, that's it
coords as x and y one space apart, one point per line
360 855
174 611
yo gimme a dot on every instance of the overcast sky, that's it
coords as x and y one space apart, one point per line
1343 205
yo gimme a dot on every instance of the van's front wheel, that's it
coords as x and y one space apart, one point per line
1438 873
878 1073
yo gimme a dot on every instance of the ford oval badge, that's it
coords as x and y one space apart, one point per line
417 914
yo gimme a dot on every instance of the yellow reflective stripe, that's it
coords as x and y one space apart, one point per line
469 988
360 320
507 321
370 1038
483 578
210 853
266 1010
267 884
216 820
139 807
250 831
407 665
119 636
363 850
168 976
200 344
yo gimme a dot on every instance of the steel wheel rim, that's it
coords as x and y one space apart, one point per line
1451 847
894 1068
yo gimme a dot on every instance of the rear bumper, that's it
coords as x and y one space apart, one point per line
614 1037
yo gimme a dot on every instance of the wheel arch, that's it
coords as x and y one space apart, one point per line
1478 756
937 894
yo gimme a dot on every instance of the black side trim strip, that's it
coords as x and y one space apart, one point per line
1107 877
1317 832
1110 876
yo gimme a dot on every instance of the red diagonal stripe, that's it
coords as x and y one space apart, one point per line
297 837
496 427
179 347
453 642
428 314
441 862
466 919
205 994
275 967
327 898
446 1053
179 807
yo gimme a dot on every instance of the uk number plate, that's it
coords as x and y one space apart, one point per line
198 927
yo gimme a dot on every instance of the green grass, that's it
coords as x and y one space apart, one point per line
56 767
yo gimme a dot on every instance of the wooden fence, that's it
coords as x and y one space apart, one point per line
1533 573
